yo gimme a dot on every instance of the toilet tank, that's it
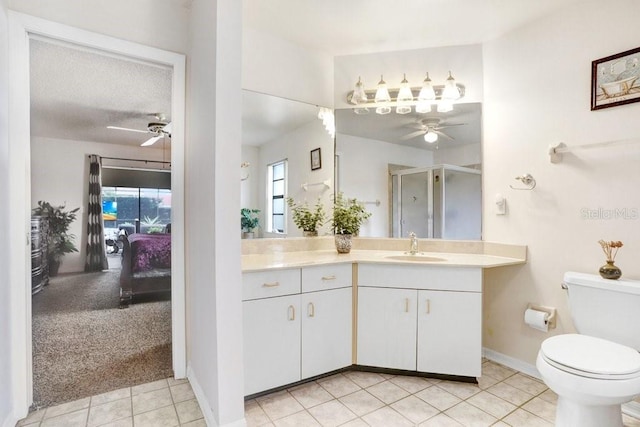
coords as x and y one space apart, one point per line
608 309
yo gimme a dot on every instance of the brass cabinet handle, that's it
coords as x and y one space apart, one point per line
428 306
311 310
292 312
329 277
271 285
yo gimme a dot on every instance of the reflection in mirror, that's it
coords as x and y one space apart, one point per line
278 138
414 172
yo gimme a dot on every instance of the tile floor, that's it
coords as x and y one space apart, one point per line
167 402
503 397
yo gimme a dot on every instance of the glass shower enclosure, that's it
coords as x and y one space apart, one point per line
441 202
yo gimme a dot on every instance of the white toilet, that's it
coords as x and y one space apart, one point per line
594 372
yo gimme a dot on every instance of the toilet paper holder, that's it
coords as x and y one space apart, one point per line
551 320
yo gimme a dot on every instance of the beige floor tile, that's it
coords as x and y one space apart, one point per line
196 423
496 371
361 402
364 379
339 385
526 383
182 392
440 420
522 418
461 390
386 417
108 412
299 419
485 381
414 409
541 408
355 423
172 381
66 408
144 388
254 415
510 393
279 405
332 413
630 421
151 400
188 411
163 417
549 396
33 417
111 396
310 395
438 398
411 384
388 392
501 424
71 419
491 404
125 422
469 415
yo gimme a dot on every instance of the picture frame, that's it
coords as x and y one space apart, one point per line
316 159
615 80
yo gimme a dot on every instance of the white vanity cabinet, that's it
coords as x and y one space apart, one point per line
297 324
423 318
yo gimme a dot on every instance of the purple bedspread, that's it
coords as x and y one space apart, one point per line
149 251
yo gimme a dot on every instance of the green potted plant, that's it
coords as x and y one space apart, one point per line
248 221
59 241
306 219
348 216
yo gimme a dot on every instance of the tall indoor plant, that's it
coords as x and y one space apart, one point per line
59 241
348 216
248 221
305 218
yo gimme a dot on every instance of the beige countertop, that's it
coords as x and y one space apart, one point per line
294 259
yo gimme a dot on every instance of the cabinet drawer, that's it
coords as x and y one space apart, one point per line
420 277
325 277
265 284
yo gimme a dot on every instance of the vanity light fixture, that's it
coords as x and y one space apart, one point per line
405 97
328 120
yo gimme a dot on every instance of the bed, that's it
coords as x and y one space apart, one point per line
146 268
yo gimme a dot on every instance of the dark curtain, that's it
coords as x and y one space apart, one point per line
96 250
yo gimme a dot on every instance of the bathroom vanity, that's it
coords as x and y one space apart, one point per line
314 311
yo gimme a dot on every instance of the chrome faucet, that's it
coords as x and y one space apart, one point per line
414 243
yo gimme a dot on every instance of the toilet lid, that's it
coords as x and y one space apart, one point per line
591 357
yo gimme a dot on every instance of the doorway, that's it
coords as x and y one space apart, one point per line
24 29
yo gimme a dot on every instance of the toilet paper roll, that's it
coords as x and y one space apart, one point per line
537 319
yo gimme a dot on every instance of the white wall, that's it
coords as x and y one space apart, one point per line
213 202
6 400
59 174
364 174
537 93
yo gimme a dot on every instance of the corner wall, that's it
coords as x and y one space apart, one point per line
537 93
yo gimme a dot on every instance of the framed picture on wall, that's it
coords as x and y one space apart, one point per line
316 160
615 80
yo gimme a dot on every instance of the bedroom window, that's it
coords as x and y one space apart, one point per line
145 210
276 190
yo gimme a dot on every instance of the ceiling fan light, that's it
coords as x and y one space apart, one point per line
382 93
430 136
450 91
359 94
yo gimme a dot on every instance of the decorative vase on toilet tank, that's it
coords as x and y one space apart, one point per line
610 270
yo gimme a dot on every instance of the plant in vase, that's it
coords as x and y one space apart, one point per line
248 221
348 216
306 219
610 249
59 241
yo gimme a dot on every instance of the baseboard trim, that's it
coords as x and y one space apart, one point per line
209 417
511 362
632 409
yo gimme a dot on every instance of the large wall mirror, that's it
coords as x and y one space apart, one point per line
278 138
416 172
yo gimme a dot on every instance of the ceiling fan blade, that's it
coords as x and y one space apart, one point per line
152 140
447 125
413 135
444 135
128 129
167 129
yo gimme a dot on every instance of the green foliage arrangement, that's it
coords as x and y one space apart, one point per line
59 241
348 215
249 219
305 218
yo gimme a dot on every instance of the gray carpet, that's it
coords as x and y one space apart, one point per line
83 344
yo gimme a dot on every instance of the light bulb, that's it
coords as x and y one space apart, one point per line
382 93
359 94
450 89
405 97
430 136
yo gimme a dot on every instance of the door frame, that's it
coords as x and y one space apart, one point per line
21 28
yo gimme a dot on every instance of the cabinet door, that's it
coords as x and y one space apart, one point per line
326 331
271 342
387 327
450 332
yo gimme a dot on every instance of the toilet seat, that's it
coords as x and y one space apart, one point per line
591 357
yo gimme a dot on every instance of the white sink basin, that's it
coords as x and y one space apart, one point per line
416 258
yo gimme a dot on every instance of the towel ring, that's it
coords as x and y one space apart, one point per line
527 180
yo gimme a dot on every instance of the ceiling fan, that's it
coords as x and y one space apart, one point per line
159 129
431 129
